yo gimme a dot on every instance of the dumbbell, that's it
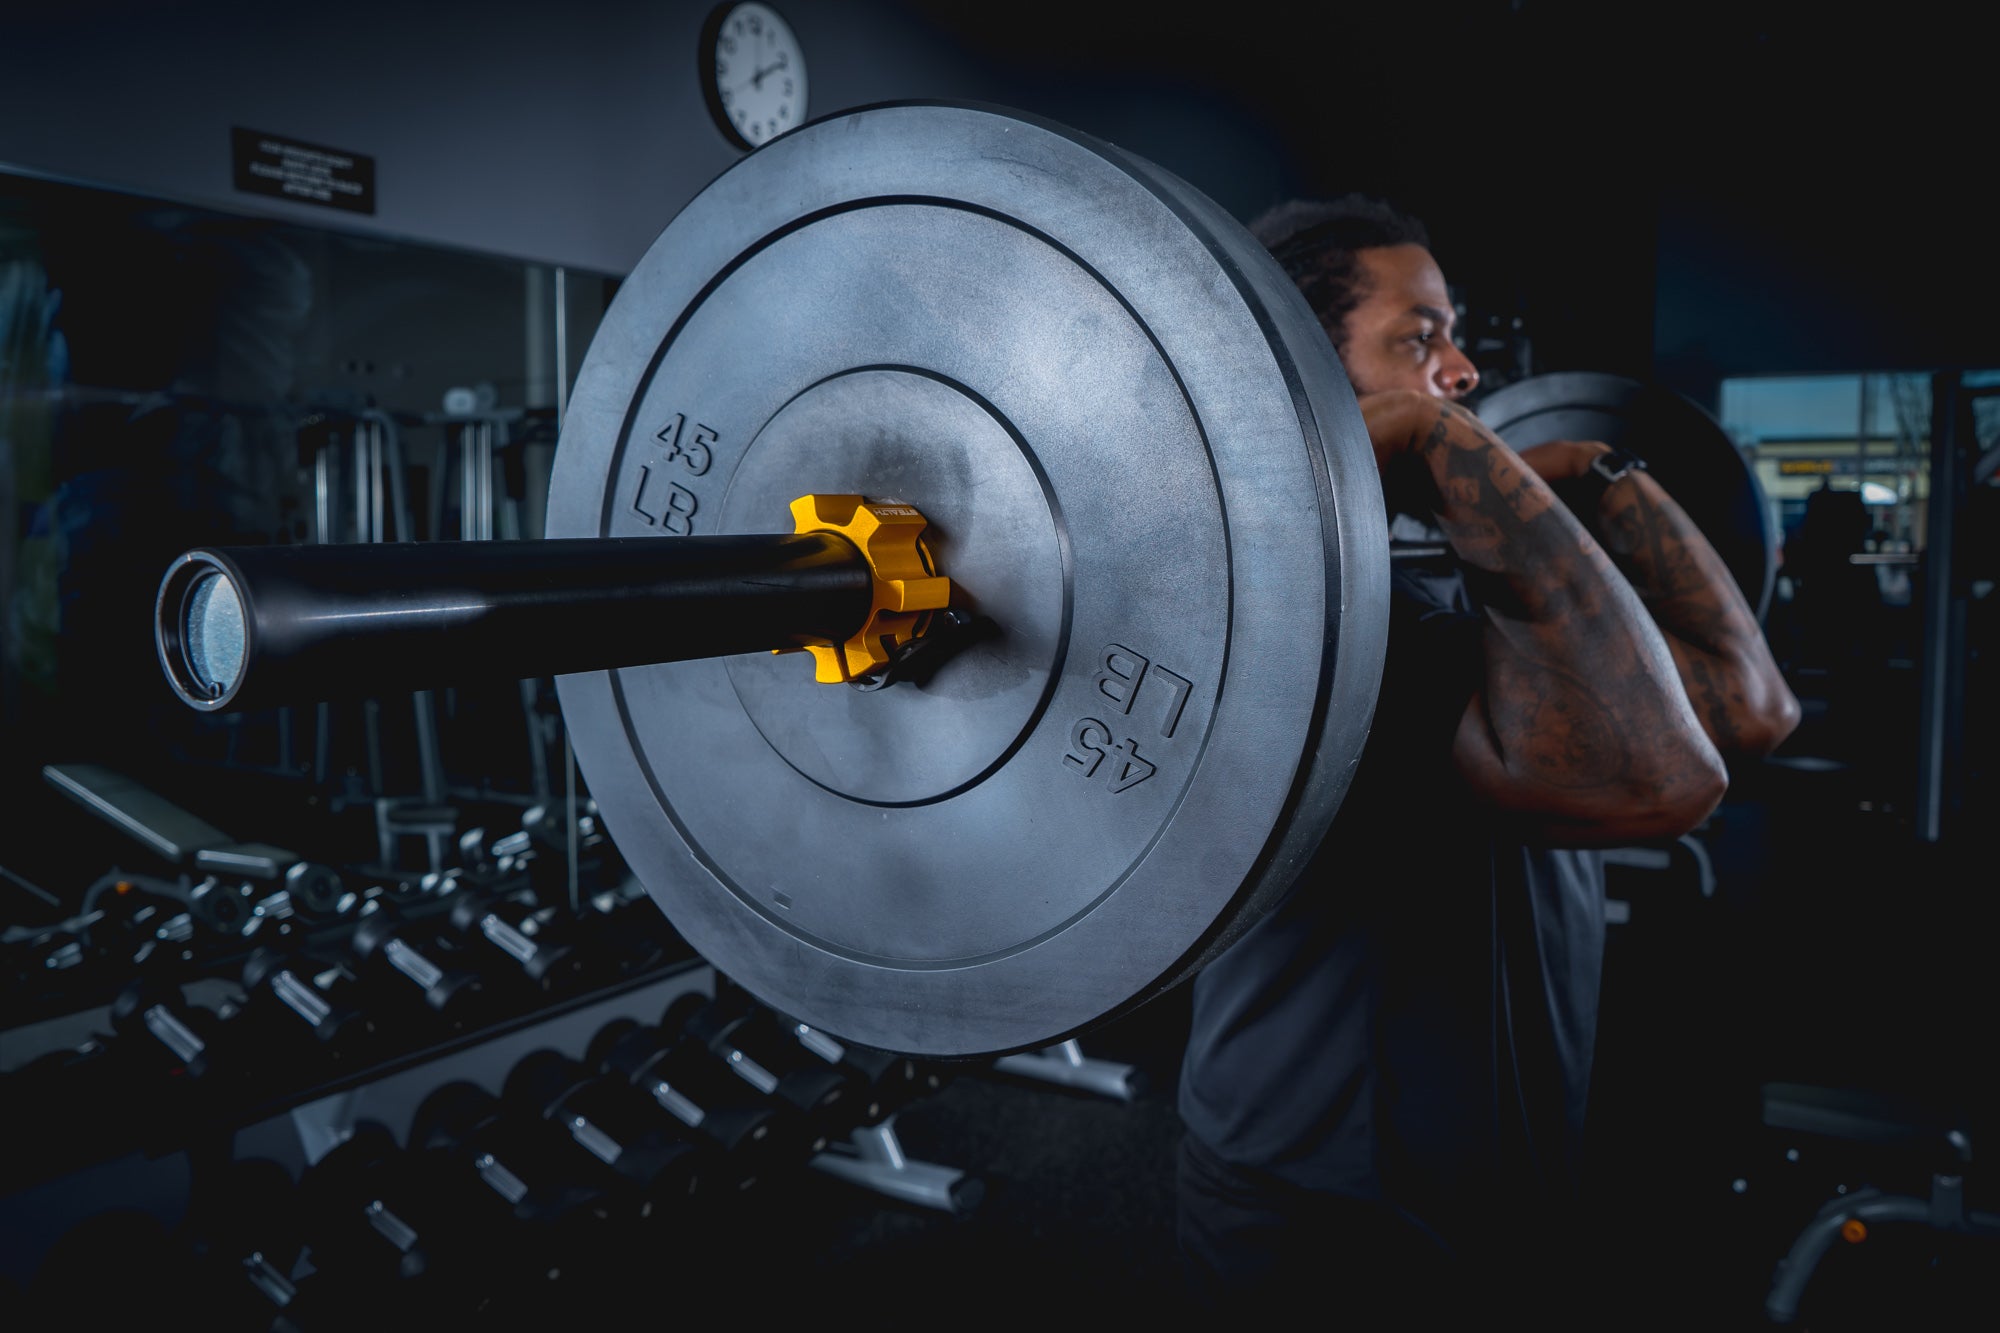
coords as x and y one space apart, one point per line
520 941
243 1232
138 923
403 958
757 1050
486 859
885 1080
544 825
49 961
383 1237
221 906
625 928
547 1211
304 1010
757 1135
164 925
548 867
216 908
155 1019
604 1115
311 896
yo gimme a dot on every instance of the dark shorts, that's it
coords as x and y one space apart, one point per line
1250 1241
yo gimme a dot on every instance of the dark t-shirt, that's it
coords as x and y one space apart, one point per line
1413 1022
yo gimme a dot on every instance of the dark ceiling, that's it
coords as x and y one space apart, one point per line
1819 166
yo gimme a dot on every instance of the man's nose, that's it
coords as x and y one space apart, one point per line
1456 375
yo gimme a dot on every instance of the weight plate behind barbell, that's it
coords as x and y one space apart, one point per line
1685 448
1140 460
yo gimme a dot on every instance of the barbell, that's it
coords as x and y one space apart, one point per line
1087 541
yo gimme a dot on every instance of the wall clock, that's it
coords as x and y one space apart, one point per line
753 73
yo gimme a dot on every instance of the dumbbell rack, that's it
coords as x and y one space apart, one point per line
298 1131
147 1138
141 1170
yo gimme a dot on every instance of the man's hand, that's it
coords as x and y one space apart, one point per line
1392 419
1563 460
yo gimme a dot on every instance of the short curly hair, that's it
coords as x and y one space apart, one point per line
1315 240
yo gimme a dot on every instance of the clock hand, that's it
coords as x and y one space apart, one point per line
757 78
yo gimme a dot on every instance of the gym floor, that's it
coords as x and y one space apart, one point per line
1692 1200
1078 1206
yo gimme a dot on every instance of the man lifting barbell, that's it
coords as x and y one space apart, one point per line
1003 374
1384 1089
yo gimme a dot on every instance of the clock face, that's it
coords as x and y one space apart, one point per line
756 75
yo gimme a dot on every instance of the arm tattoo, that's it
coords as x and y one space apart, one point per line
1574 726
1717 644
1580 695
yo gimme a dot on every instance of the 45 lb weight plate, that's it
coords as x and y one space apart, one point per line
1143 469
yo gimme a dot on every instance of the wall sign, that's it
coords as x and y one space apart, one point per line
306 173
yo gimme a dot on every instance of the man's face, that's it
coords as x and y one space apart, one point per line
1399 336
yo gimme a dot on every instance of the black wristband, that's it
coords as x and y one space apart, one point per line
1582 494
1609 468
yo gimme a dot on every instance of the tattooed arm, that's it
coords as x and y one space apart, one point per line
1581 726
1737 691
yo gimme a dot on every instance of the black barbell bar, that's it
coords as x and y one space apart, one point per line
244 626
249 626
